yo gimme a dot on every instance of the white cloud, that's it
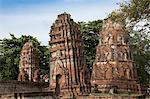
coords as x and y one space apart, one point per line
37 26
36 21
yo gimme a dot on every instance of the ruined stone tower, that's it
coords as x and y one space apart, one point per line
67 57
29 63
114 69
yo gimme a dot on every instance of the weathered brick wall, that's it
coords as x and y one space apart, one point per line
114 68
29 63
8 87
107 96
31 95
67 63
40 95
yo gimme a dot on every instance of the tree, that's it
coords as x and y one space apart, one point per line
141 53
10 56
90 32
134 15
44 59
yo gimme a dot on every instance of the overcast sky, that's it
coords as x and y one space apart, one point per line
34 17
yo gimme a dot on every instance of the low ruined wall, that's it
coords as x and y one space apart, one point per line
10 87
112 97
33 95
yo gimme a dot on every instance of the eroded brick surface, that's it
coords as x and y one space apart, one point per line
29 64
114 68
67 65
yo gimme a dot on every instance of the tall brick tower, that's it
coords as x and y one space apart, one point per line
29 62
67 57
114 68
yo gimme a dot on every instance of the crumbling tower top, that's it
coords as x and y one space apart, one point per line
29 62
67 54
114 66
109 24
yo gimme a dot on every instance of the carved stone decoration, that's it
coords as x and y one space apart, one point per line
120 39
66 47
115 72
110 38
23 76
109 74
56 71
59 69
103 69
121 71
113 64
127 73
29 61
36 76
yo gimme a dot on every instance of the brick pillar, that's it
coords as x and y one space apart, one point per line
67 57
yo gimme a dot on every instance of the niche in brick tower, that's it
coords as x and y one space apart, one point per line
114 68
67 65
29 64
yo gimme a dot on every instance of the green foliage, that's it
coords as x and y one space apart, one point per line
141 53
133 10
10 55
90 32
134 15
44 58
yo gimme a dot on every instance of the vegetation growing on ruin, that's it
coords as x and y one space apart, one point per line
134 15
10 49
